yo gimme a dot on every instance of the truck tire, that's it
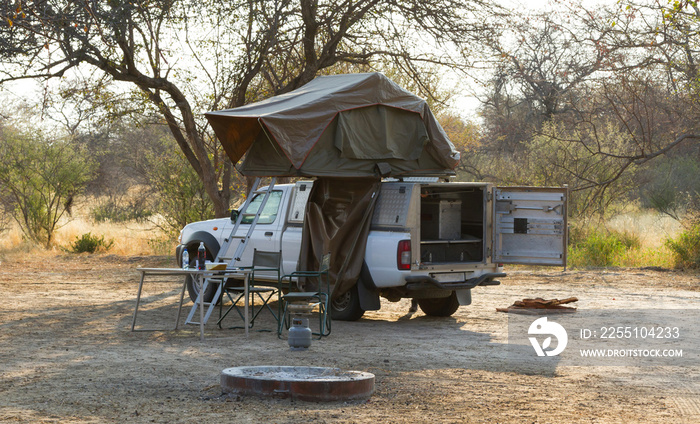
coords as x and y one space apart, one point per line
192 288
439 307
347 306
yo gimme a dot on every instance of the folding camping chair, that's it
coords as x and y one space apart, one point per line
319 298
263 261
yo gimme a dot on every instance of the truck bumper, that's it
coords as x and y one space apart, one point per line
422 282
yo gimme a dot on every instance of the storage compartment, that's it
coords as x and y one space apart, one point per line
452 224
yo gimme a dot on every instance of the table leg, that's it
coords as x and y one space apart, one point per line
182 297
138 300
246 288
201 307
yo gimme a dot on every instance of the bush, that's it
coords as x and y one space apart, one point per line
686 247
674 186
599 248
600 184
39 179
91 244
115 211
162 245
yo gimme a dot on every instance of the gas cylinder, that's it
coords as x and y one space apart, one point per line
299 334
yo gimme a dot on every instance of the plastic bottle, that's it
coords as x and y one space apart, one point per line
185 259
201 255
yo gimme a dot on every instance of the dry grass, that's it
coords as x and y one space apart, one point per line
651 228
646 233
660 256
130 238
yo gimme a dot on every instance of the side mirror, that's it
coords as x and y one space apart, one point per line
234 215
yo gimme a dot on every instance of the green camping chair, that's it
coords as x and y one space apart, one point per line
319 298
263 261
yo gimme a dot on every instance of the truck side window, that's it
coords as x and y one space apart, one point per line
269 213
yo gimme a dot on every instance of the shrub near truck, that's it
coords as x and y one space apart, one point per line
432 242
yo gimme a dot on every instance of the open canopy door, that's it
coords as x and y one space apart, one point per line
530 225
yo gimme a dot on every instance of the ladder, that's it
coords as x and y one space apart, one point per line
242 242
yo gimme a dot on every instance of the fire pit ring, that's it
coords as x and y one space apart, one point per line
311 384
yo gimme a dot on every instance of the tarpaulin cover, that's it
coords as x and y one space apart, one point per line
337 221
354 125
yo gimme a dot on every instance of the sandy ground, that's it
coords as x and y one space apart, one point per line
67 355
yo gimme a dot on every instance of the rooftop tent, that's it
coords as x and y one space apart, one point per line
337 126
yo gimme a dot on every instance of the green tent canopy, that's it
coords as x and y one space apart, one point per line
354 125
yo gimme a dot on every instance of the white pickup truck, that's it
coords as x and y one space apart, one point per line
432 242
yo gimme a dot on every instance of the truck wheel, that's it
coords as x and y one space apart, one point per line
192 288
440 307
347 306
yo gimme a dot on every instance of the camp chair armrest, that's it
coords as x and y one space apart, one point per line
302 294
305 274
255 268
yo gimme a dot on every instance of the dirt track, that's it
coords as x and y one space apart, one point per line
67 355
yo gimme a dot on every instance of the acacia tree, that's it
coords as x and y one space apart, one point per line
661 42
650 91
606 91
186 57
540 63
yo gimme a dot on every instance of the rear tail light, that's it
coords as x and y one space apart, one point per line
403 255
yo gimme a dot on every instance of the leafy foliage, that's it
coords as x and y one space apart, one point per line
181 197
686 246
40 179
570 155
673 186
590 97
564 155
116 210
599 248
604 100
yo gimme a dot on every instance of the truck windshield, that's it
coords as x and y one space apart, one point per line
269 212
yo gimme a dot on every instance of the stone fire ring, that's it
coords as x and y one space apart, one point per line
311 384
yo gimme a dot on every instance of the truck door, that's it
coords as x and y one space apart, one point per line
267 234
530 225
